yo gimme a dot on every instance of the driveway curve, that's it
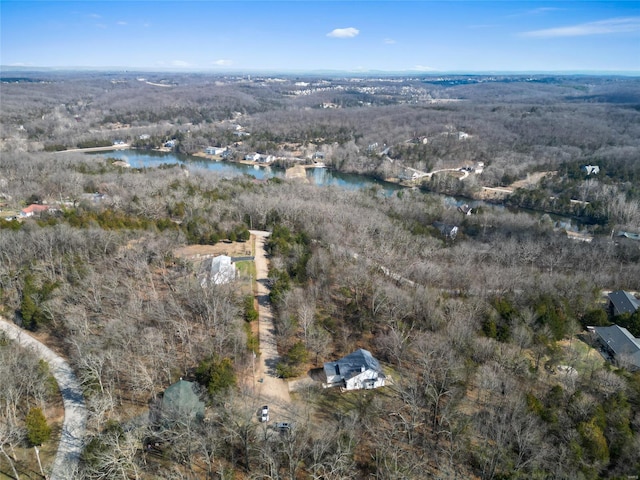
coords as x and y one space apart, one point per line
65 465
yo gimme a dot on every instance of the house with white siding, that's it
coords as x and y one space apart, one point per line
358 370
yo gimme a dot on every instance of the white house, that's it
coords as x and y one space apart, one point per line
214 150
589 169
252 157
267 159
217 271
356 371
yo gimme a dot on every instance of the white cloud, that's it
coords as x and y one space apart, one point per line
121 23
94 15
602 27
423 68
541 10
180 63
389 41
223 62
349 32
101 25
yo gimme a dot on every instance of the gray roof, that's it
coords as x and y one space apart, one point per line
352 364
632 236
625 346
181 398
623 302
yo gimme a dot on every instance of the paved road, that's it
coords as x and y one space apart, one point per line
271 387
65 464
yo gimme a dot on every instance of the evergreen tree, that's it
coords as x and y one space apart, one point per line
38 431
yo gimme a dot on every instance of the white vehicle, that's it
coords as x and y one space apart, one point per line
264 414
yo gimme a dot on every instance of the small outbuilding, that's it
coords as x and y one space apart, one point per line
182 400
358 370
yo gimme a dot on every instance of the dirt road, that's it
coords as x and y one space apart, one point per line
65 464
266 383
122 146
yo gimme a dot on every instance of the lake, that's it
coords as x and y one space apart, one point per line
317 176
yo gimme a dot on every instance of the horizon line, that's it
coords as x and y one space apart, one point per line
231 71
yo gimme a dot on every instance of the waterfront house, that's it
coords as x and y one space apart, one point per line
214 150
252 157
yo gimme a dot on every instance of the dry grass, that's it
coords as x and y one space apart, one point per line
232 249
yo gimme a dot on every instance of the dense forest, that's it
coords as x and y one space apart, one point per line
483 333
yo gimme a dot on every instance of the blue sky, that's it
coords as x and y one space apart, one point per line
420 36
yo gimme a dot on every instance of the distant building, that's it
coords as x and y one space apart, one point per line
33 209
628 235
267 159
465 209
479 168
591 169
448 231
357 370
170 144
144 136
252 157
408 174
214 150
622 302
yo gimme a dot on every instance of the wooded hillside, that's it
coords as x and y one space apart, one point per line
482 335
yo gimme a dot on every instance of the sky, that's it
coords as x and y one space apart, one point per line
306 36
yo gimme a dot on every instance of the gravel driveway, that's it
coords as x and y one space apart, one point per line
271 387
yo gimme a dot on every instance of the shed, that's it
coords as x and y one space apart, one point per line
181 399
